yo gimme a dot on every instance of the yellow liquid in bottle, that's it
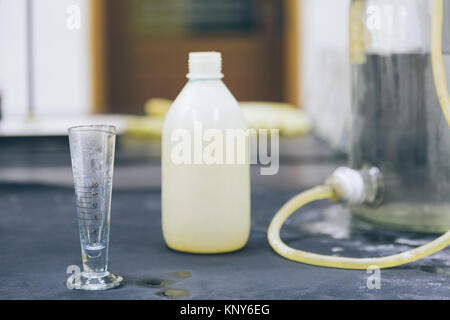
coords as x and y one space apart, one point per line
205 208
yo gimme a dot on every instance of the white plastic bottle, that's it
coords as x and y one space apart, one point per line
205 204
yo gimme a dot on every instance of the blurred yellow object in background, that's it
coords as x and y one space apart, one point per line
143 126
157 107
259 115
274 115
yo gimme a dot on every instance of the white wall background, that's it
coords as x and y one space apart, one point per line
62 60
325 73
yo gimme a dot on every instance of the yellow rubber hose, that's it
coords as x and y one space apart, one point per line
327 192
436 59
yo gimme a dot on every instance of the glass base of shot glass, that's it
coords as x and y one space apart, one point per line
95 281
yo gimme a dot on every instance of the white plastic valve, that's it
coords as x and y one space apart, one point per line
349 185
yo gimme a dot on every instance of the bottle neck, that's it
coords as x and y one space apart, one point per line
194 77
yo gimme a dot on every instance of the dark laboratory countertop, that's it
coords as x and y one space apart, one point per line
39 237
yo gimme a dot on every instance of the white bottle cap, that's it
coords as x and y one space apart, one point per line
205 65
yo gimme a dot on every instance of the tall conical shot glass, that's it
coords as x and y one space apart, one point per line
92 153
